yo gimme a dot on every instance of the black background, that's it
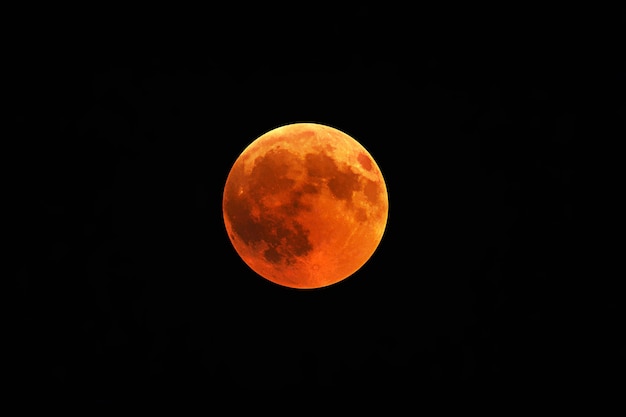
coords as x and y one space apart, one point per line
128 287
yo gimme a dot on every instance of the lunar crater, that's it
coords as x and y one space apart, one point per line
341 182
288 242
269 174
365 161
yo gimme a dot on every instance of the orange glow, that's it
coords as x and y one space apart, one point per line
305 205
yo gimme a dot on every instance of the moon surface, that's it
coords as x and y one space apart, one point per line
305 205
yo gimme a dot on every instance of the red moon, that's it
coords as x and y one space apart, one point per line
305 205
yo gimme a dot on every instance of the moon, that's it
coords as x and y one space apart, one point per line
305 205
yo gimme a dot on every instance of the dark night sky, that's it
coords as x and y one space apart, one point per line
129 287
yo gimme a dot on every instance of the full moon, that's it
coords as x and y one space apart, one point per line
305 205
